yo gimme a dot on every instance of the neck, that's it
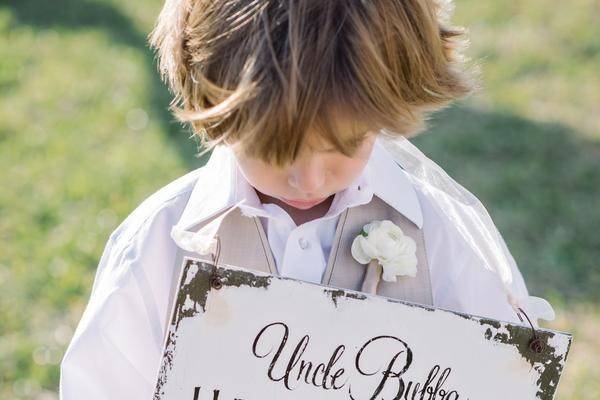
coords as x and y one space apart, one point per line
299 216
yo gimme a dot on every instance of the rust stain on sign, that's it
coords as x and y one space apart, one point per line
198 279
191 299
337 293
548 362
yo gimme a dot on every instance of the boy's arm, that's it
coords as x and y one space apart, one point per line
115 350
474 290
460 281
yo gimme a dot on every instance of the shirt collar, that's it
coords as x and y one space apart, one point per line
357 193
220 185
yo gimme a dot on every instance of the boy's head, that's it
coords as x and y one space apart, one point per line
277 78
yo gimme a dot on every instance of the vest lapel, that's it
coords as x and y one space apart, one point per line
345 272
244 243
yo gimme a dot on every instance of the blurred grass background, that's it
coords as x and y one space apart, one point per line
85 137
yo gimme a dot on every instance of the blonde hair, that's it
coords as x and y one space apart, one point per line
263 72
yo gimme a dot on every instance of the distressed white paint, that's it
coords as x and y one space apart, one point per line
213 350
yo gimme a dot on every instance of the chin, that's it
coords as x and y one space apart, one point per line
303 205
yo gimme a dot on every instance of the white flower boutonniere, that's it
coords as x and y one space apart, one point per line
385 242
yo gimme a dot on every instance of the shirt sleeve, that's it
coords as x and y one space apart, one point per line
474 290
115 350
460 281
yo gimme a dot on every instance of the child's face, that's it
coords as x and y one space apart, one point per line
318 172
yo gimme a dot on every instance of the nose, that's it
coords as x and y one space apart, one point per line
307 175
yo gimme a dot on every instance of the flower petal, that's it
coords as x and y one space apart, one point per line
405 264
371 226
386 242
357 250
386 276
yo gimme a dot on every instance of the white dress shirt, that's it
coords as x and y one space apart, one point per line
116 349
311 242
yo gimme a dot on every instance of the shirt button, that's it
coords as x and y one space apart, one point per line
303 243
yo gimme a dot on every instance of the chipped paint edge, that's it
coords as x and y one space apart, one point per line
197 287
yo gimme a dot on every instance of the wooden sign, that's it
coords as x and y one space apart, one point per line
239 334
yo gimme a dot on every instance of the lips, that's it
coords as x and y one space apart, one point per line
303 203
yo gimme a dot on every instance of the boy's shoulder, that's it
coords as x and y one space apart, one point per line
155 216
164 205
440 225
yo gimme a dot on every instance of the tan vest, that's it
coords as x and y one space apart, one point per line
244 244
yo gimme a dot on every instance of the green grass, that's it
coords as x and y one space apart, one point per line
85 136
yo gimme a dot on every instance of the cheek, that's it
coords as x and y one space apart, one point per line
261 176
344 170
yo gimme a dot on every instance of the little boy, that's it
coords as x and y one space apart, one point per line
294 98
